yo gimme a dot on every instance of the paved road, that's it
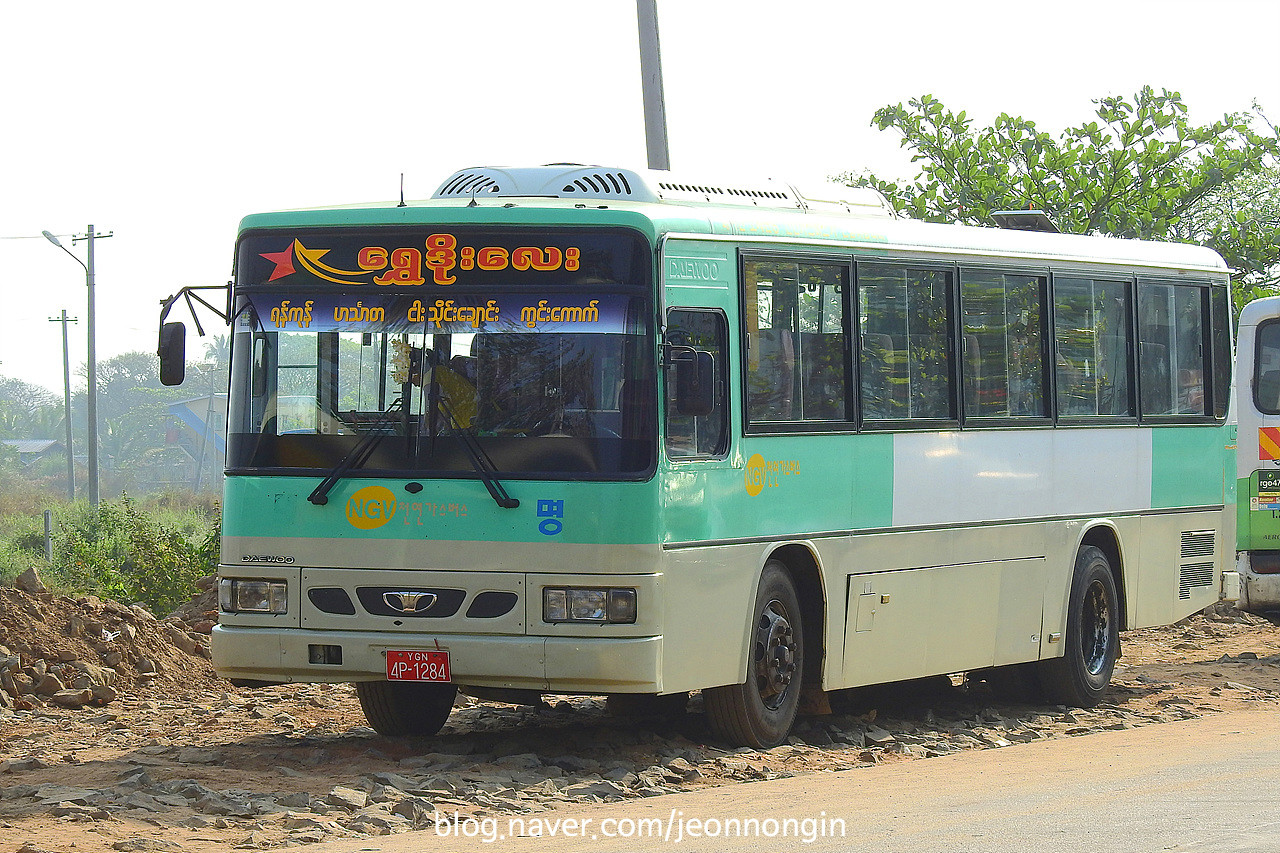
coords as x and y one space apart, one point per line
1202 786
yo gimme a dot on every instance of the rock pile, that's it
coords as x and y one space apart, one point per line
72 684
72 652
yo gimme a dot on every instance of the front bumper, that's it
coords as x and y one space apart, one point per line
545 664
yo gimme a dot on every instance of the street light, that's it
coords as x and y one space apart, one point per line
92 355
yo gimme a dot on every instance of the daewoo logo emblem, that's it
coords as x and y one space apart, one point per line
409 602
371 507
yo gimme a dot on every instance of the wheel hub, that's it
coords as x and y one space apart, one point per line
774 654
1095 634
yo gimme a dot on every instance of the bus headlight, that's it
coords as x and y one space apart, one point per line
589 604
253 596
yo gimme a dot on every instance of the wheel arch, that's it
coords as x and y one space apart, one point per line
1104 536
802 565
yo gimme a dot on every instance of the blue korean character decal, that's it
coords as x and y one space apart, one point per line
550 512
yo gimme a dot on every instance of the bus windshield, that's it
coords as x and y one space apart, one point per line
556 381
541 397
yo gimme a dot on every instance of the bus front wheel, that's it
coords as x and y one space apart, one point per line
1092 642
759 712
399 708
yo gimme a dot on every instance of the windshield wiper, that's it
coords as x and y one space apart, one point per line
480 460
358 455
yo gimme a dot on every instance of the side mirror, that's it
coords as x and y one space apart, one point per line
695 381
173 353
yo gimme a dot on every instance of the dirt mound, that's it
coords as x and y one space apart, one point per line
78 651
201 612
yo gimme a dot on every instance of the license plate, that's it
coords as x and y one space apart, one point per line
404 665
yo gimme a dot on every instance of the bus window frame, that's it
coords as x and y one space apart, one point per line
1049 418
1257 364
726 399
1131 324
846 425
1205 287
873 425
1223 307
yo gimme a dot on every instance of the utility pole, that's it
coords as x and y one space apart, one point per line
92 354
655 105
66 396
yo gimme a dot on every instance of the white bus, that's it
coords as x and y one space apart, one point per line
596 430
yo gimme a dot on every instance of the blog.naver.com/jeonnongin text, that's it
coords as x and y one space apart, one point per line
673 828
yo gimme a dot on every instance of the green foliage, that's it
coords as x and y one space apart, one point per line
128 554
1142 170
1247 212
151 553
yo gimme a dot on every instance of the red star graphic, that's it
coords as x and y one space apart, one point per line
283 261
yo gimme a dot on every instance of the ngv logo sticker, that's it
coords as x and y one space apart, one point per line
371 507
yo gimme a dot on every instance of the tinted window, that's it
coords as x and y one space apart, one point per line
904 320
1171 353
1003 344
795 341
1266 372
692 435
1091 331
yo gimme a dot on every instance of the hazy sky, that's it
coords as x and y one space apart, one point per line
165 123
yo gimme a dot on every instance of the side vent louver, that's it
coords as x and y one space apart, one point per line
723 193
1195 571
469 184
599 184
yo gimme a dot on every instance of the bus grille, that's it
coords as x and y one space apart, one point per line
1196 544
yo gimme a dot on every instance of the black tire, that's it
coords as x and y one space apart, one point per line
647 705
759 712
1092 643
400 708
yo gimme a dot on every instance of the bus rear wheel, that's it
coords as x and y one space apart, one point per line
1092 642
400 708
759 712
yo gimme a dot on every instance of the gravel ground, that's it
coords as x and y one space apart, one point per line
179 760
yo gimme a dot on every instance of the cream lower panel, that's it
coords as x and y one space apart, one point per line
972 552
709 598
942 619
1159 599
527 663
710 594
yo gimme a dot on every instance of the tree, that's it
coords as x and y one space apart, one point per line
28 411
1141 171
133 407
1246 212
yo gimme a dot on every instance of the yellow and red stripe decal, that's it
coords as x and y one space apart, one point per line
1268 443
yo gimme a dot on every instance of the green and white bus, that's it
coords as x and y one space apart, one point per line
599 431
1258 470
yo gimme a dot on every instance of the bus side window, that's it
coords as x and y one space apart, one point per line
1266 386
1004 312
904 317
701 435
1172 357
1091 337
796 342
